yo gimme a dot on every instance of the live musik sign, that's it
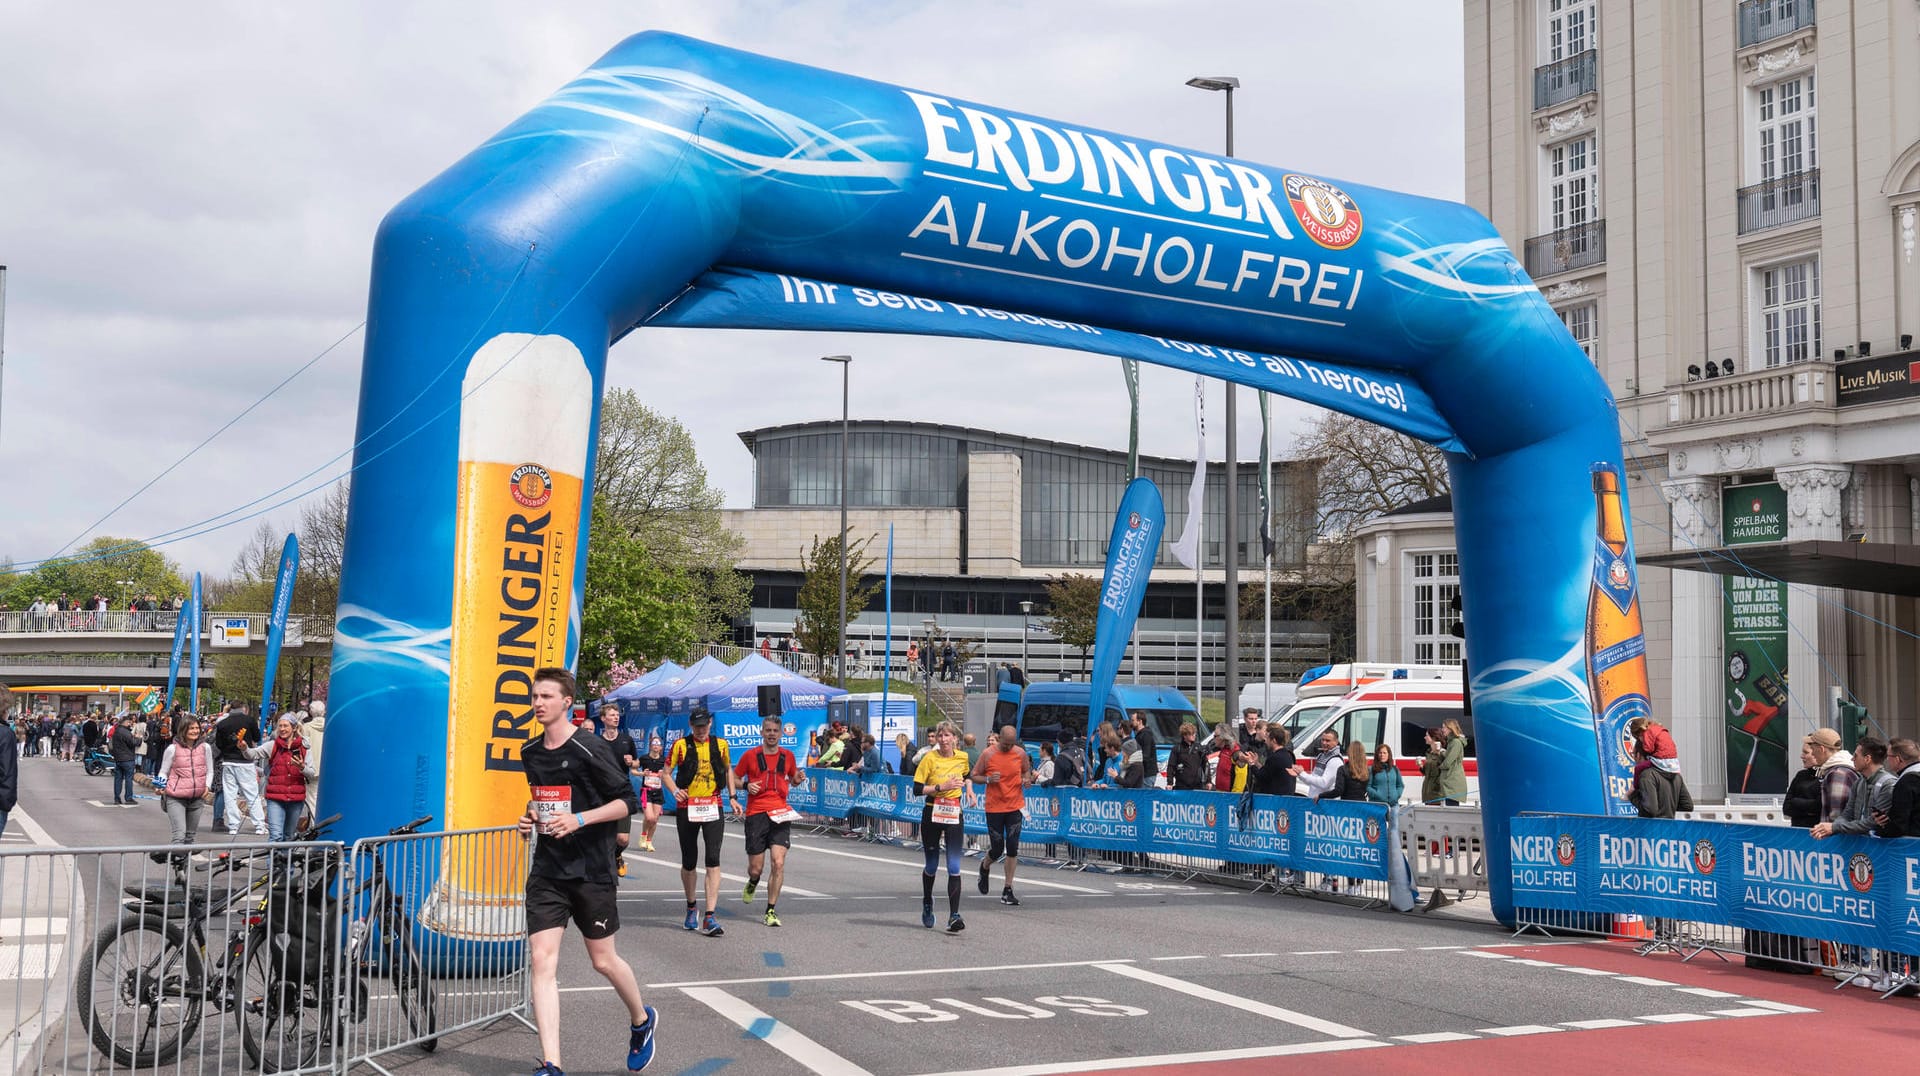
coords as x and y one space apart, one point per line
1878 379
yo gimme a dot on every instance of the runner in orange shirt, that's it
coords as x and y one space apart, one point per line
1006 770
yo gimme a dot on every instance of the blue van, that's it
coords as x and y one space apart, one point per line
1046 708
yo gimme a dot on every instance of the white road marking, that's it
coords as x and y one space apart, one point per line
1436 1036
1778 1006
1585 971
1379 950
897 862
759 1025
1519 1029
1178 958
947 970
1430 948
1705 993
1233 956
1315 952
1488 956
1171 1059
635 857
1221 997
1746 1012
1676 1017
1597 1025
1537 963
1641 980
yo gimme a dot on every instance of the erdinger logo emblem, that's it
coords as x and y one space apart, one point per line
1373 831
1330 218
1127 810
1704 856
1211 817
1282 822
1563 849
532 485
1133 521
1617 573
789 729
1860 872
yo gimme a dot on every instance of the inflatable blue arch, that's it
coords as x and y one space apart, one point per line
679 183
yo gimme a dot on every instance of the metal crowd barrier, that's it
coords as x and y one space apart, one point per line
1446 849
255 958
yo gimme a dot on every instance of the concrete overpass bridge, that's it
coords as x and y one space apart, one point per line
133 648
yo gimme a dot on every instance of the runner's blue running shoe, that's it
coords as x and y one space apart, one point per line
640 1046
693 919
926 915
548 1068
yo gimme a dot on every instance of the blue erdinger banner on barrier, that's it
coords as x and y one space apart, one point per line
1332 836
1852 890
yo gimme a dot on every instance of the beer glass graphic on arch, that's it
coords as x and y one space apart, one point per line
526 409
1616 645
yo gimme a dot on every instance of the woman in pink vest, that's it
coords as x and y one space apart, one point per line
187 770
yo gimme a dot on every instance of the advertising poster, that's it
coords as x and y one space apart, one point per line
1546 863
1754 647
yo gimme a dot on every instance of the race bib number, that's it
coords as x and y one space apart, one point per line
946 812
703 809
551 802
784 814
650 781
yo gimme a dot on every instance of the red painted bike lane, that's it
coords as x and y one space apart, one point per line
1808 1019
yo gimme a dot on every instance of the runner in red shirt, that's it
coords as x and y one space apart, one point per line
1006 770
768 771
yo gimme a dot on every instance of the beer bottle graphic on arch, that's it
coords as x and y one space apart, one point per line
1616 644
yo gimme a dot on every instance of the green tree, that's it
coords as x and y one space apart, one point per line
817 628
117 569
639 607
1073 611
660 520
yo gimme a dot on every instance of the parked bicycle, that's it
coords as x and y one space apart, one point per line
96 761
144 986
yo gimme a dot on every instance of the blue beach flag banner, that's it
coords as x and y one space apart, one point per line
1131 548
193 615
179 644
277 620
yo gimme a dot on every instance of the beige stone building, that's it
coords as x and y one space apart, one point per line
1719 198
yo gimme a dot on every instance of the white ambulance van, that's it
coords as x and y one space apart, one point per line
1383 703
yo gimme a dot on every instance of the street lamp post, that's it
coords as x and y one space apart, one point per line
840 661
1026 610
1228 84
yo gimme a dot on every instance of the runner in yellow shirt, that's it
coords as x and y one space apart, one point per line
695 770
942 778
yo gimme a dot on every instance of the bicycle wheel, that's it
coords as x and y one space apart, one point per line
94 769
139 990
415 987
281 1019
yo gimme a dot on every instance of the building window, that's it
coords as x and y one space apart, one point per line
1436 581
1784 134
1583 322
1568 28
1789 312
1573 182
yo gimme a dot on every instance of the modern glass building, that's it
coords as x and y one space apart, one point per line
1067 492
982 520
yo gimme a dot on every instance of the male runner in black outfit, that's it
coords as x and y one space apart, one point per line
580 794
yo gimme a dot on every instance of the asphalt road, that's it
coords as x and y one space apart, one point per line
1092 972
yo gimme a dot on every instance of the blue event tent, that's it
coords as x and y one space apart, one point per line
803 703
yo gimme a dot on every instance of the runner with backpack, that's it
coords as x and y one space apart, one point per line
695 770
768 772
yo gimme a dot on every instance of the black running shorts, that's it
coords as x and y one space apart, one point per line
551 902
763 833
1003 835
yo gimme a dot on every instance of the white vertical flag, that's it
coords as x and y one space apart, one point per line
1186 548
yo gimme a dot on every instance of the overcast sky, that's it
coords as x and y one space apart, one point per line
189 193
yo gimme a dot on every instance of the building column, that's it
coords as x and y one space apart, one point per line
1816 616
1699 728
